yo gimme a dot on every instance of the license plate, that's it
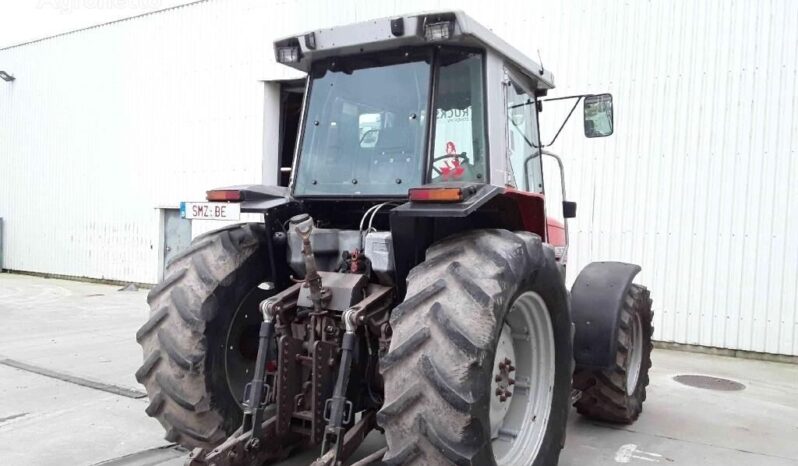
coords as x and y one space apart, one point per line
210 210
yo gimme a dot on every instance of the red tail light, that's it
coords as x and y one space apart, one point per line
229 195
435 194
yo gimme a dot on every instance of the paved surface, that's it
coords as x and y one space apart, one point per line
86 333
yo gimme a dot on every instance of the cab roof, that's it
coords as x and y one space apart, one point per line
446 27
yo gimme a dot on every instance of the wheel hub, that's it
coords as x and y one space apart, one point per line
505 354
504 380
523 382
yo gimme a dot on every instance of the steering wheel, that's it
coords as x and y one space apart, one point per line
461 155
366 134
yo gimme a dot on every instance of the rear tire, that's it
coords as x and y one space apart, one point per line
194 311
617 395
438 371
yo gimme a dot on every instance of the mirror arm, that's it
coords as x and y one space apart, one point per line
578 99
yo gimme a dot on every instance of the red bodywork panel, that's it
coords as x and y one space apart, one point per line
556 232
531 206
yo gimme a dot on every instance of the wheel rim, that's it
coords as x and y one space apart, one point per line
635 355
241 343
519 421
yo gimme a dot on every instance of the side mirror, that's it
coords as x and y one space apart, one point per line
568 209
598 116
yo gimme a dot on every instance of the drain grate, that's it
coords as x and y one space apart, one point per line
709 383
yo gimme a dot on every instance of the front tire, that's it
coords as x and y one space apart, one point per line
617 394
447 344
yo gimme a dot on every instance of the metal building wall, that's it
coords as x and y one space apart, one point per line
104 125
695 185
698 184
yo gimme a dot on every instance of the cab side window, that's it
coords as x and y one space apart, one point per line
523 141
459 150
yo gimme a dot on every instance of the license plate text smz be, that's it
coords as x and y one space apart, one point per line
210 210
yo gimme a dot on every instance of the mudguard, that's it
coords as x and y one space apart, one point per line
596 300
478 194
258 198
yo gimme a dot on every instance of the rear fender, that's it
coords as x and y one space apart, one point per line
484 206
597 298
416 225
258 198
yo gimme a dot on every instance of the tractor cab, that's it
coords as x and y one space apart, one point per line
425 99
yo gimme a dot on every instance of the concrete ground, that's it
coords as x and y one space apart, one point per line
68 395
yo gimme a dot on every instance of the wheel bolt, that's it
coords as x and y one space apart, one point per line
499 391
508 393
502 398
511 368
498 378
510 381
501 366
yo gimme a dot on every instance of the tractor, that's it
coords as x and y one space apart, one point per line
409 279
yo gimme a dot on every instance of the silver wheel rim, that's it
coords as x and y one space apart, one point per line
519 422
635 355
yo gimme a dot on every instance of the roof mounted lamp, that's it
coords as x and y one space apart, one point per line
6 77
442 30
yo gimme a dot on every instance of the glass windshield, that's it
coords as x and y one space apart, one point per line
365 126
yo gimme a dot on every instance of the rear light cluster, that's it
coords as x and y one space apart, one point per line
229 195
436 194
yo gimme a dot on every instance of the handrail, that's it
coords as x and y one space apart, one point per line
562 185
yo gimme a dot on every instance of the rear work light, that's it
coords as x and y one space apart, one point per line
439 31
288 54
230 195
436 194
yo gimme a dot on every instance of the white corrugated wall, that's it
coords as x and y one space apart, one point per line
106 124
